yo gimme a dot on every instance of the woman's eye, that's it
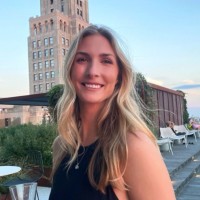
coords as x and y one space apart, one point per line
81 60
107 61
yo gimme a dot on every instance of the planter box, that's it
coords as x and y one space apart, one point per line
45 180
3 196
177 141
198 134
164 147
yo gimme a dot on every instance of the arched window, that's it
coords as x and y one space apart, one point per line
35 29
51 23
61 24
65 26
40 27
79 27
46 26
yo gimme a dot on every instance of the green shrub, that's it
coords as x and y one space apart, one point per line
16 141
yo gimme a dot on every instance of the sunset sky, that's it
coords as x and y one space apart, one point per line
162 39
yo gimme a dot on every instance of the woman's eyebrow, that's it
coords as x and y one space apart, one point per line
107 54
101 55
82 53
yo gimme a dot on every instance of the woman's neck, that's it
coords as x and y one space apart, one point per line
88 129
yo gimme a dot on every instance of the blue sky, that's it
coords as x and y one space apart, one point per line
162 39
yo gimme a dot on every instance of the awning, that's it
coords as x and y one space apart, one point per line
32 100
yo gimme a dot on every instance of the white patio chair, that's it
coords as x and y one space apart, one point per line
168 133
193 130
182 128
164 141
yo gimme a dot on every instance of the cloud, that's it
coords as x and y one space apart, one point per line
155 81
188 81
187 86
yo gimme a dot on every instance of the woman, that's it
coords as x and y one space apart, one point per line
171 125
104 149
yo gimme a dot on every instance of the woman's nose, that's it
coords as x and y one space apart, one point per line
93 69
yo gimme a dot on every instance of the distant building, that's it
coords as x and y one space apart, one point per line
51 33
49 40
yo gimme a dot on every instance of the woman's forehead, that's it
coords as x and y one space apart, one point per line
96 44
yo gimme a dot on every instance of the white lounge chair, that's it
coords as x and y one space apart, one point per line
164 141
168 133
182 128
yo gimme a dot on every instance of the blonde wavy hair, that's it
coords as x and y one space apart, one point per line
120 115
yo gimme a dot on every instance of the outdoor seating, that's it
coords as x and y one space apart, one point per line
165 141
168 133
193 130
182 128
32 170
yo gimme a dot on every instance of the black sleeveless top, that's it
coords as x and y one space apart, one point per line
73 184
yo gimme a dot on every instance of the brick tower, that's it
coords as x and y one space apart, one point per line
49 40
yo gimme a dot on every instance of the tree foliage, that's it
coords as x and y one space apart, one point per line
185 110
144 91
53 96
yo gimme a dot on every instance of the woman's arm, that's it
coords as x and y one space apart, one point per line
146 174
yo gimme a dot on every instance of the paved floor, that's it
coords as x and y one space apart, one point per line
44 193
181 154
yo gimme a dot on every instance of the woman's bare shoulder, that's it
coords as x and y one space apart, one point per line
138 140
146 173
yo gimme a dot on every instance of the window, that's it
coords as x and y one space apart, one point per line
46 42
77 2
51 1
35 88
63 52
81 3
34 44
46 52
34 55
77 11
67 42
35 66
35 77
81 13
51 52
47 75
52 84
52 74
51 40
40 87
51 22
39 54
60 24
35 29
62 8
52 10
40 27
47 86
40 65
52 63
39 43
63 40
46 26
47 64
40 76
64 26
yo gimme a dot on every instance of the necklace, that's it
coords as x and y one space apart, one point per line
81 158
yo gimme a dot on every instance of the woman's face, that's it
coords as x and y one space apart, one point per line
94 71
